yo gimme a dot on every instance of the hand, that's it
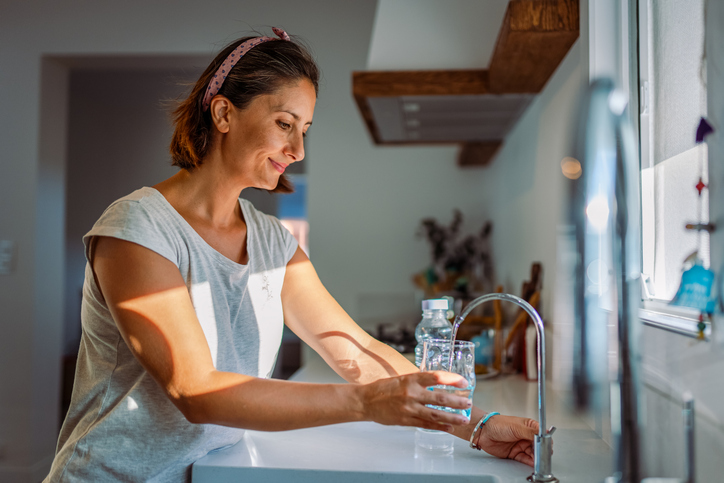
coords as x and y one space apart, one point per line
509 437
402 401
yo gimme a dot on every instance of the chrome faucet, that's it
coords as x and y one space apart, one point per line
543 440
608 185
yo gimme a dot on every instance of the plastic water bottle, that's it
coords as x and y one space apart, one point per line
434 325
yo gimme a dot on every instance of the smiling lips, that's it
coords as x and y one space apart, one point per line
278 166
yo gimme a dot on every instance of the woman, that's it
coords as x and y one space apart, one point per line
188 287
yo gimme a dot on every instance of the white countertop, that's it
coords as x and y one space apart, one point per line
368 452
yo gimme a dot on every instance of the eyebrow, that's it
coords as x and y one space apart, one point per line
294 115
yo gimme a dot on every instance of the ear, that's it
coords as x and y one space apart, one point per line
220 109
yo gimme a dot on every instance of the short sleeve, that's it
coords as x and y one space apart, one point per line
290 242
274 241
130 220
286 242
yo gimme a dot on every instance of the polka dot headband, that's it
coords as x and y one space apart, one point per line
218 80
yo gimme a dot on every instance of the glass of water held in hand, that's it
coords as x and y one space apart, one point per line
436 357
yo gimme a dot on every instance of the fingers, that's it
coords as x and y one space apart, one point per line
524 428
436 378
403 401
529 430
443 417
440 397
525 458
523 453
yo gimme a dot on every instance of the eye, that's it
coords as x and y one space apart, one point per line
284 125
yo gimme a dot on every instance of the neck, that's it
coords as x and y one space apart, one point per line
204 194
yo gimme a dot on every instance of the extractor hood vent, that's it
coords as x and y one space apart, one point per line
472 106
446 119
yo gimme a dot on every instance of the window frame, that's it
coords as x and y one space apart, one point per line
654 312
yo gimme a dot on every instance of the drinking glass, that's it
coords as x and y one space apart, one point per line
436 357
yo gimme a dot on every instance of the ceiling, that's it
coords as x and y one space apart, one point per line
434 34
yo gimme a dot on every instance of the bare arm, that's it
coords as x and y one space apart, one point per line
312 313
152 309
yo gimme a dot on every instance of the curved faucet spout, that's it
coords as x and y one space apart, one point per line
541 359
543 443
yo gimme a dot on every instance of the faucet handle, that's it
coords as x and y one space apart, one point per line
551 430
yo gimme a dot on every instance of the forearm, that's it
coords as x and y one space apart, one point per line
271 405
313 314
240 401
374 360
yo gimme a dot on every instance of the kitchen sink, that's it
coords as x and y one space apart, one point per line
285 475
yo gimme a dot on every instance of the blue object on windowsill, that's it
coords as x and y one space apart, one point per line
695 289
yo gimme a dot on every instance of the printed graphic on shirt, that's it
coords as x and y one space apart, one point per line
264 291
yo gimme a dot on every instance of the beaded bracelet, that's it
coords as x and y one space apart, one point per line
480 424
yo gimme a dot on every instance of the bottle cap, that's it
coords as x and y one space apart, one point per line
434 304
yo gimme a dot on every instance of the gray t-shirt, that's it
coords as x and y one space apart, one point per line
121 426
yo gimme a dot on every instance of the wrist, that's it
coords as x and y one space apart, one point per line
476 441
479 428
357 400
465 430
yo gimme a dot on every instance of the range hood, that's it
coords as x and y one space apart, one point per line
475 107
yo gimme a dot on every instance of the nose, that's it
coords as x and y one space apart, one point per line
295 149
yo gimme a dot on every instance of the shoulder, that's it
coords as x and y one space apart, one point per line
142 203
141 217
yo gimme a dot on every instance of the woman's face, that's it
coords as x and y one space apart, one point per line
267 136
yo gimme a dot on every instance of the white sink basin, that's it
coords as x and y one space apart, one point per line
287 475
349 453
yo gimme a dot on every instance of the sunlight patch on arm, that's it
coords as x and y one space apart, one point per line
204 306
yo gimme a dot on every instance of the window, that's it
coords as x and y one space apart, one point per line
292 211
672 99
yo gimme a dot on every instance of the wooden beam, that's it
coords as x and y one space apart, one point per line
367 116
478 153
413 83
420 83
535 37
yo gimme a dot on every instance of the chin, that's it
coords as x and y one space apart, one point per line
267 185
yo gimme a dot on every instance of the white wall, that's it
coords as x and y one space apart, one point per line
430 34
524 189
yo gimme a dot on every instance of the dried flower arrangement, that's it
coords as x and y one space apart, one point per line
463 265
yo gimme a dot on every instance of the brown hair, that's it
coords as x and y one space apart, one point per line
262 70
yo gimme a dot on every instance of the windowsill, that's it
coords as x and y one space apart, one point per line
678 320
